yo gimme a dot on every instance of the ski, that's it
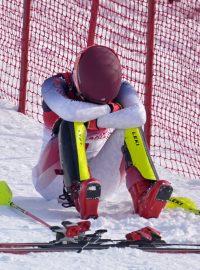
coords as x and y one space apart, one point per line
78 248
101 241
72 237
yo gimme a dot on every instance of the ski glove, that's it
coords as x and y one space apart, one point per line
92 124
114 107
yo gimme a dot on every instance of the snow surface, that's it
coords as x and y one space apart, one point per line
20 142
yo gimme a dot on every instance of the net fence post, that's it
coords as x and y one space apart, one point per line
24 55
149 68
93 22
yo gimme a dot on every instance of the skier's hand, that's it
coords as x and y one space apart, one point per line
92 124
114 107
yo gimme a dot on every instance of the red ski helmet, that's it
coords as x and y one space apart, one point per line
97 74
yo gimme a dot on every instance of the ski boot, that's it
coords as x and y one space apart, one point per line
86 195
89 195
149 197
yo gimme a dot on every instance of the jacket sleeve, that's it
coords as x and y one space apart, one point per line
132 115
53 92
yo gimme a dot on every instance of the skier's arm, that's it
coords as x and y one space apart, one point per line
70 110
132 115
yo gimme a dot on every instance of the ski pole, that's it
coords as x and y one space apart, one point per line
6 199
69 229
183 202
27 213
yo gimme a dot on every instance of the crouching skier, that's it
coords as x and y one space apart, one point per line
96 120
